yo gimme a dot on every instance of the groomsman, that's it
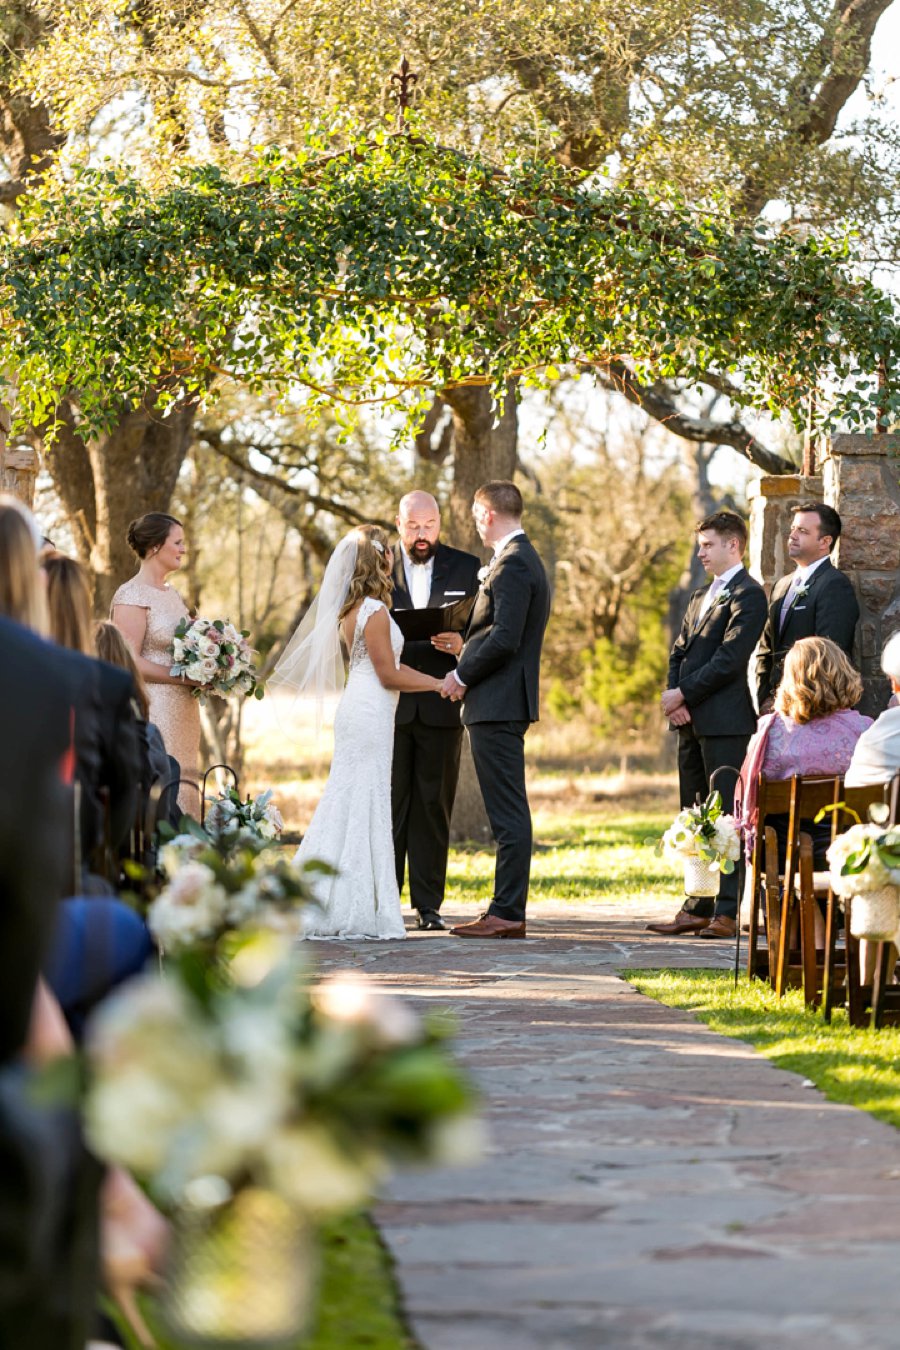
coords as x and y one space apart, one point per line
816 601
497 679
427 730
708 698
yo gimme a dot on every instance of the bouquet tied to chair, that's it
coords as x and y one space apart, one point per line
864 865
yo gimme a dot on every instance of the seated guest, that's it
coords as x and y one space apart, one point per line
813 731
159 768
876 757
107 743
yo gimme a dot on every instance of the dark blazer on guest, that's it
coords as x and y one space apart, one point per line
500 661
35 733
710 658
454 575
830 609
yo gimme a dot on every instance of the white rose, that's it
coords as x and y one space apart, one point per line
306 1168
209 669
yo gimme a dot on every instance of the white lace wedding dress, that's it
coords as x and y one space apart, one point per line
351 828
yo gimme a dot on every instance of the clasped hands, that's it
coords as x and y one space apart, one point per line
450 686
675 708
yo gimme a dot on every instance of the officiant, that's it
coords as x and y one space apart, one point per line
428 734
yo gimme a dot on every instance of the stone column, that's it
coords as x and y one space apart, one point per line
773 501
860 480
18 465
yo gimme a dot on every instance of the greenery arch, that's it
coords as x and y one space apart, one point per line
399 268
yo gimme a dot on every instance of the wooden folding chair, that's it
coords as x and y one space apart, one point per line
841 980
773 798
797 965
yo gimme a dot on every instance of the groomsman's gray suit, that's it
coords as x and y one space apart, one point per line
500 667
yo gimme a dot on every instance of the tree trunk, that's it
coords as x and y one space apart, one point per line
106 482
481 451
469 822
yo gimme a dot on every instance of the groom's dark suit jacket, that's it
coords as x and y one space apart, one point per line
500 662
829 610
711 656
454 576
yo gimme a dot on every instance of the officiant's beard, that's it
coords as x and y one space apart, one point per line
422 551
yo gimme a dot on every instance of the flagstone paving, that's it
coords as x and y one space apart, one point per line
648 1183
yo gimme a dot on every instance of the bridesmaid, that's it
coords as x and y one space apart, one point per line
147 609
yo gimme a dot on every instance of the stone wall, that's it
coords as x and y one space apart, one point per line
18 465
861 479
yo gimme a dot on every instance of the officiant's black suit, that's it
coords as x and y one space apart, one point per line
427 741
829 610
709 663
500 667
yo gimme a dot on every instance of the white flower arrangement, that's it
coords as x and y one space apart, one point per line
722 598
865 859
208 893
232 821
309 1090
703 832
214 654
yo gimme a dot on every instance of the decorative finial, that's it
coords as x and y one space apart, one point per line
404 82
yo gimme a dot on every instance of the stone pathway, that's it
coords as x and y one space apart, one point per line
649 1183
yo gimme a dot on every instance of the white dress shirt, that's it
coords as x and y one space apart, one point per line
418 579
717 586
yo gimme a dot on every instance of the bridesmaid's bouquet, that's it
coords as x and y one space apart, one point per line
214 654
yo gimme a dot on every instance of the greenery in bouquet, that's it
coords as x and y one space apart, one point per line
864 859
235 823
703 831
216 656
211 888
313 1089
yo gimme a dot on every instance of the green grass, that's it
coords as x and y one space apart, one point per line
856 1066
576 857
358 1300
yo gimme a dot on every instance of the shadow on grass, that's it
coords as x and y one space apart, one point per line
856 1066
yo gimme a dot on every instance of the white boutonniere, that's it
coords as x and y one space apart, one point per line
484 573
801 591
722 598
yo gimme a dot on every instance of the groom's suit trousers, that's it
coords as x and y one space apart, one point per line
498 750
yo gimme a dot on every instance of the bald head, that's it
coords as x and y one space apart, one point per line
419 525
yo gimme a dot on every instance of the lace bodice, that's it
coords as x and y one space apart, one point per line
359 652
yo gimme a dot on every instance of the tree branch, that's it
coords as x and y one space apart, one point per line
657 401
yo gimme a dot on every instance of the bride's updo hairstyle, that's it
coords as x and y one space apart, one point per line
372 574
148 533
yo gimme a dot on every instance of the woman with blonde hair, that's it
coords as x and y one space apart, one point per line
351 828
22 597
813 730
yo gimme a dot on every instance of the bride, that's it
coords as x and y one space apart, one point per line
351 828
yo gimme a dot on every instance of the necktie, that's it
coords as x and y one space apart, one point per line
709 600
789 599
420 585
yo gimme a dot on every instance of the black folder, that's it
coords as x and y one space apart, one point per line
418 625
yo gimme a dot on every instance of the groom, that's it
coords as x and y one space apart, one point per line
497 679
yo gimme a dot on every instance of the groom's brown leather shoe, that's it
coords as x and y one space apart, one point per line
489 926
684 923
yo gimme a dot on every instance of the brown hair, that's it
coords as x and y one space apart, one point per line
726 524
150 532
502 497
22 595
111 646
818 681
68 602
372 574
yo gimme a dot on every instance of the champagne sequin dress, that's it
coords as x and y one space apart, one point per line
172 707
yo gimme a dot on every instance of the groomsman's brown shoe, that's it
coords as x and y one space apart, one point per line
489 926
685 924
721 927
